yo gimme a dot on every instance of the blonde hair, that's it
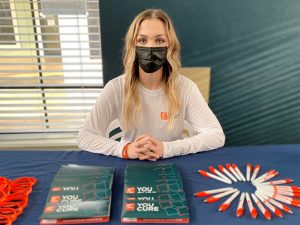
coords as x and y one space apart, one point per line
132 101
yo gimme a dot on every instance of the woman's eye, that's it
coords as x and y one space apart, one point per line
142 41
160 41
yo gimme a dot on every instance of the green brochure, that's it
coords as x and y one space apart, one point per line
154 194
79 194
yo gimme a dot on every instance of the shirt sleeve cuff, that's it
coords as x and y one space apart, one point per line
120 147
166 152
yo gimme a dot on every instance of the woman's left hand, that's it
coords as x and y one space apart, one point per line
152 148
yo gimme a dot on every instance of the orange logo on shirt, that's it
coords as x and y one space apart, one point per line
164 116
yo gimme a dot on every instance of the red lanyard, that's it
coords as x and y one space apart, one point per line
9 212
5 220
14 196
2 195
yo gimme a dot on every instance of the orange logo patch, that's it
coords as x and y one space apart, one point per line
164 116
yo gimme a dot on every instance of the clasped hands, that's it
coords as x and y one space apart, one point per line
145 147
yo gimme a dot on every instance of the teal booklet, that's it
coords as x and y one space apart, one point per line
79 194
159 198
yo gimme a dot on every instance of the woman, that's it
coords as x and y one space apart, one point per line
151 100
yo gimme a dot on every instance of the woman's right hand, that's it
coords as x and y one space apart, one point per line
132 150
139 149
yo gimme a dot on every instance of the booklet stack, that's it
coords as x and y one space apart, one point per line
79 194
154 194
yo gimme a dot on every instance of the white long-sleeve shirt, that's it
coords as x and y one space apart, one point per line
194 109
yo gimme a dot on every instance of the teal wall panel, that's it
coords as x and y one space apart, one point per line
253 48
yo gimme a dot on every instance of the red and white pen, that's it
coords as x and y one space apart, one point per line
207 174
249 169
275 203
268 176
294 189
215 171
252 210
230 168
291 188
255 172
288 200
288 193
227 173
225 205
210 192
281 190
264 211
236 168
264 175
217 197
275 210
284 181
240 208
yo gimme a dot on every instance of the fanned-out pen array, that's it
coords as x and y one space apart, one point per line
274 196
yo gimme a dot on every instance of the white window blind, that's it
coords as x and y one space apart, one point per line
50 71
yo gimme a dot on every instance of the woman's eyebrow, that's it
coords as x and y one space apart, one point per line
159 35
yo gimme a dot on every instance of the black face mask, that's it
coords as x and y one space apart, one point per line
151 59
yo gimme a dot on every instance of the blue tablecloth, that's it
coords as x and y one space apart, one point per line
44 165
